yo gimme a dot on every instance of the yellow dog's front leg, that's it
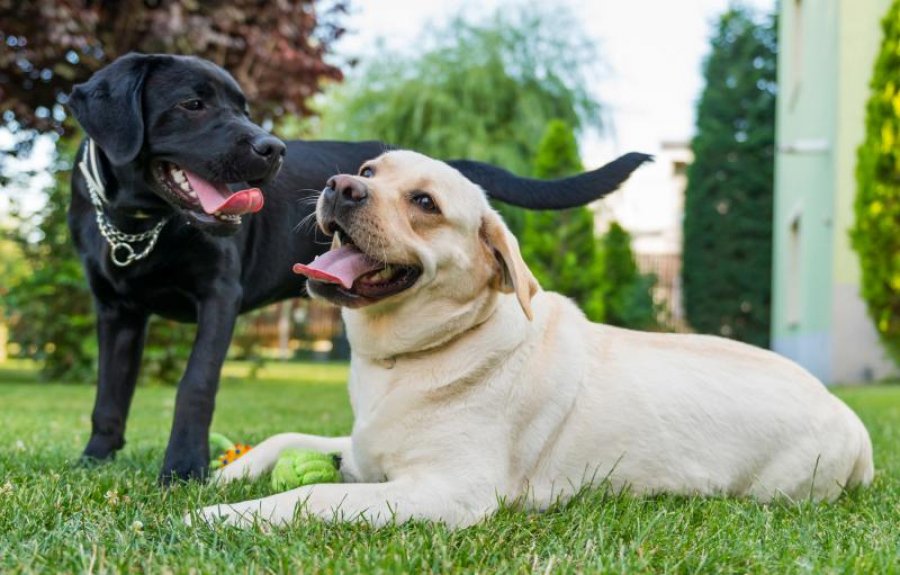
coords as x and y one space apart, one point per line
433 499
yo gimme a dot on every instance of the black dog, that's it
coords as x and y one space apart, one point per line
159 232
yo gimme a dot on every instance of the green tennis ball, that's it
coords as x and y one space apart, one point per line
298 467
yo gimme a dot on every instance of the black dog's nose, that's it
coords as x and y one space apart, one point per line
267 146
349 190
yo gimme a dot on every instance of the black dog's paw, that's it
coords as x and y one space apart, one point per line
101 448
186 470
89 461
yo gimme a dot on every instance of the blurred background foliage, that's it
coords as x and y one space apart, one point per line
509 89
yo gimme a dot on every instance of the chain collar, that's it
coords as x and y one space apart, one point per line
122 252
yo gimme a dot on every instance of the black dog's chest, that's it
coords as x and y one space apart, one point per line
170 282
164 294
168 302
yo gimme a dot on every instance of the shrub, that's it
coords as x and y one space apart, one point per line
875 234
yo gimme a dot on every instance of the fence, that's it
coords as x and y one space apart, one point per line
291 328
667 292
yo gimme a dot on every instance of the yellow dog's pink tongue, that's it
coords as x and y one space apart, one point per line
341 266
218 198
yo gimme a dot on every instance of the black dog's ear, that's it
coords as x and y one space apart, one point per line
108 107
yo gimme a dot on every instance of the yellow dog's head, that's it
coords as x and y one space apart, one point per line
414 242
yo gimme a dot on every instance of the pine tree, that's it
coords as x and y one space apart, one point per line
626 292
729 198
559 246
876 232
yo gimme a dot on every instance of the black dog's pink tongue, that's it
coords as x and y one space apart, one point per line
217 198
340 266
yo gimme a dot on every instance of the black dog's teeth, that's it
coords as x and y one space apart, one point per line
175 181
174 178
230 218
179 180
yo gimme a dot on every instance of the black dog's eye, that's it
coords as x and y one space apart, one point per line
192 105
425 202
367 172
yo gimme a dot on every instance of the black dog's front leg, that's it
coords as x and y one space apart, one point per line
120 332
187 455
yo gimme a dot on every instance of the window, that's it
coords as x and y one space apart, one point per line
796 52
794 273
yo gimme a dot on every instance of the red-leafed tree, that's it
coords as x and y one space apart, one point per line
275 49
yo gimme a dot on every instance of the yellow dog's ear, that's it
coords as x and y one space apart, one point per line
514 274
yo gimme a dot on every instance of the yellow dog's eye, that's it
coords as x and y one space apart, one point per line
425 202
367 172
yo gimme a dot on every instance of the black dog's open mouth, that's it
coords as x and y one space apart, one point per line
349 277
206 203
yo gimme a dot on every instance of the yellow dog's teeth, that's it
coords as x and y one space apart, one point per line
336 240
382 275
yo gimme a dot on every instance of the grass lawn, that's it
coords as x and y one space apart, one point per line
58 517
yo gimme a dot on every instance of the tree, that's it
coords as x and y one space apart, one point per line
729 197
479 90
13 267
560 247
50 308
49 46
626 292
876 232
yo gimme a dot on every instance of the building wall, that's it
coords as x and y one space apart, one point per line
804 183
650 205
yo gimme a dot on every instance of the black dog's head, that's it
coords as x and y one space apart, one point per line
178 128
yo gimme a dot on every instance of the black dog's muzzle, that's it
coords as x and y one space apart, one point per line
271 150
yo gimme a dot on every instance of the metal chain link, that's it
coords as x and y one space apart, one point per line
121 251
120 243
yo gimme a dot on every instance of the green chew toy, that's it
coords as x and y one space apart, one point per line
223 451
298 467
218 445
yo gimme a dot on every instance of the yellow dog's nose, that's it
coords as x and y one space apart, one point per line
348 190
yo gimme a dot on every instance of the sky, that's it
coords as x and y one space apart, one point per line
652 51
651 77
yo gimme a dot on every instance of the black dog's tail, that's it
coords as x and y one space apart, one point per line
558 194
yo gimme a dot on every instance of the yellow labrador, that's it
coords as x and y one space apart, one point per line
470 385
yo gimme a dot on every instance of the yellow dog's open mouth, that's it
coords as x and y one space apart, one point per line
347 271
